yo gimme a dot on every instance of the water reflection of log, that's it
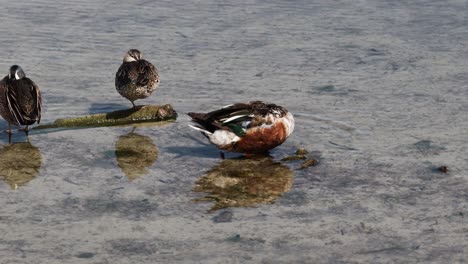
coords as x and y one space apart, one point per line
19 163
244 182
135 153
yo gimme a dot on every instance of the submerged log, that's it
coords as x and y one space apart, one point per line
146 113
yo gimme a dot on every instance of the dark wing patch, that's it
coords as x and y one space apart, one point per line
237 115
24 101
147 74
141 73
238 118
13 107
123 76
37 97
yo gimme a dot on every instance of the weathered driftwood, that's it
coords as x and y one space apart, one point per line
146 113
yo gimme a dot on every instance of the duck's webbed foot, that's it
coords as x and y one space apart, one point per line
26 130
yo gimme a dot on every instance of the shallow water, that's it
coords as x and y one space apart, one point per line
378 89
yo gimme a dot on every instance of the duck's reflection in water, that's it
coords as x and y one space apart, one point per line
135 153
19 163
244 182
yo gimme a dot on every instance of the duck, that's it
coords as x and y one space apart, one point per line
136 78
20 100
251 128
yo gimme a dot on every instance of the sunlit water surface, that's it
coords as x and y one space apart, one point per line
378 90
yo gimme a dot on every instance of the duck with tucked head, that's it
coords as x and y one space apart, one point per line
251 128
20 100
136 78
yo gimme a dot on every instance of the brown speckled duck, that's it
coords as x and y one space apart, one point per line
136 77
250 128
20 100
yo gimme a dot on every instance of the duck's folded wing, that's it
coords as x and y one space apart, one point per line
36 93
235 118
147 74
13 106
125 75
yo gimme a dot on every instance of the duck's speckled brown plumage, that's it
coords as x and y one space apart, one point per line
136 78
20 99
251 128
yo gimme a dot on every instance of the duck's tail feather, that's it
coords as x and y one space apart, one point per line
200 123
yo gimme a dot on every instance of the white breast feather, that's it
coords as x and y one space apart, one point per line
288 121
223 138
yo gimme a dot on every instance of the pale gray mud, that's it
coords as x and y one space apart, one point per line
379 90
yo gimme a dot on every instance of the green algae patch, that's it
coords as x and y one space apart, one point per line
146 113
302 154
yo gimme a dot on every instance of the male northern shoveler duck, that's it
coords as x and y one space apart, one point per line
20 99
250 128
136 77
